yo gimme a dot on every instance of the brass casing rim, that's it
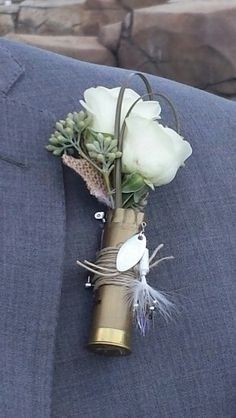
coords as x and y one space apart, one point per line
110 338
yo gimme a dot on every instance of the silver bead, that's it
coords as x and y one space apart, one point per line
88 284
99 215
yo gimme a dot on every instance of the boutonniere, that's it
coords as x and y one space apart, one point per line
119 146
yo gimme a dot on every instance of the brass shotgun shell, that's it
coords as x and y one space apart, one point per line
112 319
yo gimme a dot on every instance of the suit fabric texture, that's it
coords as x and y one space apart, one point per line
183 369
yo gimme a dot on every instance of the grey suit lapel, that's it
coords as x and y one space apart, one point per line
32 228
10 70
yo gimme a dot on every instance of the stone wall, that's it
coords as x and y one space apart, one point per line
191 41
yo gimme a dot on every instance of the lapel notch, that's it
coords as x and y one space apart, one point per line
10 70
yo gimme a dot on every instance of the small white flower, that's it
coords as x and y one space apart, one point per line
100 102
152 150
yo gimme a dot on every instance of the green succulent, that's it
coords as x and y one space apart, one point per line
101 147
68 133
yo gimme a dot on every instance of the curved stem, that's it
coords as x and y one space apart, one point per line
172 106
117 136
144 96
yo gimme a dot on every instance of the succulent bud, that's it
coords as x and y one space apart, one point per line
59 127
70 123
81 115
100 158
97 146
53 140
69 132
81 124
111 156
107 140
91 147
57 151
50 147
61 139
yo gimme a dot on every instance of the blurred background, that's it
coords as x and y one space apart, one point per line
191 41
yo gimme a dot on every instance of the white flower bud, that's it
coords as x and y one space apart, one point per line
152 150
100 102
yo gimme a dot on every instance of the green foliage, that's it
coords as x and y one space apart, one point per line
132 183
74 136
102 148
67 135
135 191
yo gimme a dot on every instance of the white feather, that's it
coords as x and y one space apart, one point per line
144 299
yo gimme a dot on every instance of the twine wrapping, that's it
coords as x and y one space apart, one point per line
140 296
105 271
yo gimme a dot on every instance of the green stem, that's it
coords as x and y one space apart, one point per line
87 158
104 172
108 186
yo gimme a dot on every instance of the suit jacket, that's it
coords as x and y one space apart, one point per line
184 369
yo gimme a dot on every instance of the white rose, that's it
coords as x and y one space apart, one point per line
101 103
152 150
